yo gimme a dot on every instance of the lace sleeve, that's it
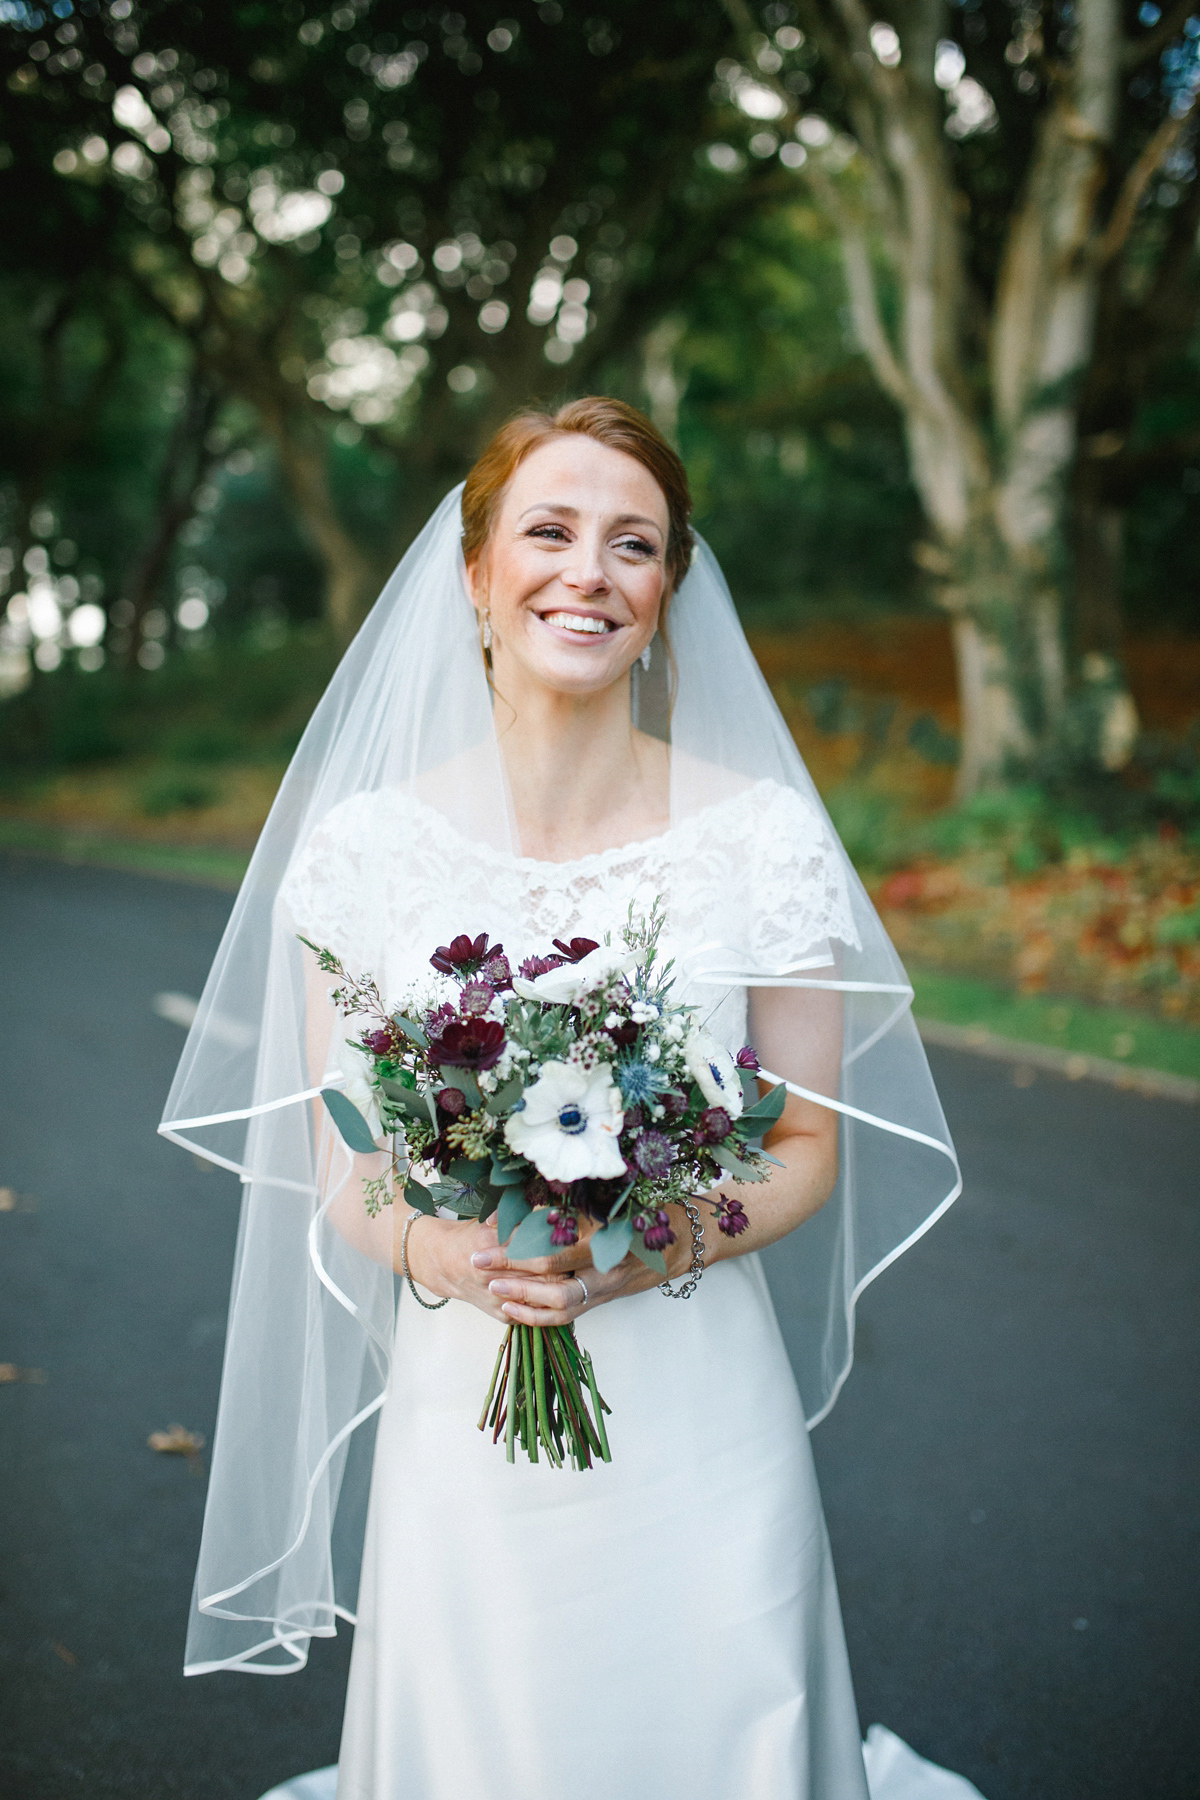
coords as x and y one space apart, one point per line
327 888
800 890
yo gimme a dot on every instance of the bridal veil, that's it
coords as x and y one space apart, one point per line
312 1309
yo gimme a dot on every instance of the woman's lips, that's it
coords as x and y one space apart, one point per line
579 624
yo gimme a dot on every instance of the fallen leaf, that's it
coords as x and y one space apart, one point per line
67 1656
10 1372
8 1200
176 1440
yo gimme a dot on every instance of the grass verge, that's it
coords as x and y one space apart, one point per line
214 868
1114 1032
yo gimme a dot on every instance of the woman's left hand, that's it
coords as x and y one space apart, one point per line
550 1290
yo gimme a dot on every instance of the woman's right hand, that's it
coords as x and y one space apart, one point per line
439 1257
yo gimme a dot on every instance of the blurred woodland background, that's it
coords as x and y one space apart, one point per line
915 290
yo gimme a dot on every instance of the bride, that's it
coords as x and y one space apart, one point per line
551 717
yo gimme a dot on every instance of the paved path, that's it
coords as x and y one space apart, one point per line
1010 1476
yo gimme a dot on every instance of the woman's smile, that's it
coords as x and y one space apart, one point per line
579 625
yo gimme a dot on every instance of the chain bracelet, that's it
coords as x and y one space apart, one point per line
688 1287
429 1305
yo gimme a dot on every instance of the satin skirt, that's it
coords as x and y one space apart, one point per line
663 1626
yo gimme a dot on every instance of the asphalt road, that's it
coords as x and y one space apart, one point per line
1010 1476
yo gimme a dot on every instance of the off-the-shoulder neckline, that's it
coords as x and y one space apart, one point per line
593 858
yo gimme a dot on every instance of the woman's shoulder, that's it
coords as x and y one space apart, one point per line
746 810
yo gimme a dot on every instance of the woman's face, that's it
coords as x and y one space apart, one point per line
574 572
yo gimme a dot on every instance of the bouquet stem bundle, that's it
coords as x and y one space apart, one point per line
539 1397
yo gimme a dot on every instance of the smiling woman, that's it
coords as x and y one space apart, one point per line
478 771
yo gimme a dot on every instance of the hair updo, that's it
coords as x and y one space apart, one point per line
610 422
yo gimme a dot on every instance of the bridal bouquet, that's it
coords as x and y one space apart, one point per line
571 1088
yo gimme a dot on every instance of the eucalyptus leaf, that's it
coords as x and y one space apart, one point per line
532 1238
749 1086
488 1204
411 1030
611 1244
653 1259
512 1210
355 1131
620 1200
469 1172
768 1110
507 1174
420 1197
504 1097
465 1082
727 1160
404 1099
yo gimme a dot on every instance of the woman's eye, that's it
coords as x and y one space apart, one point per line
552 533
638 546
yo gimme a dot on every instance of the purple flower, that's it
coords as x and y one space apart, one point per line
475 998
496 972
653 1153
673 1104
731 1218
564 1231
577 949
379 1043
467 1044
452 1100
533 966
438 1017
712 1126
746 1059
658 1235
464 955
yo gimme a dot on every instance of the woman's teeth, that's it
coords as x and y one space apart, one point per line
577 622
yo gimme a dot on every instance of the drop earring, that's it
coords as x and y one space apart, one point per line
487 631
644 659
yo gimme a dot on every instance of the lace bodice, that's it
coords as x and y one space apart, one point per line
385 878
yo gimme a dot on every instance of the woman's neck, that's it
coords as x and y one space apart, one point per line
581 777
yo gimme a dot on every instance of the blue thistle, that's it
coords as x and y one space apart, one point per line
639 1082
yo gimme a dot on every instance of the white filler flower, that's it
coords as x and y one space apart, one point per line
357 1087
714 1071
570 1123
568 985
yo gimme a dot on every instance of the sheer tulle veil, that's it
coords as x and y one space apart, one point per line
309 1347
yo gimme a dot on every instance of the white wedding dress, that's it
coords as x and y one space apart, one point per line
667 1625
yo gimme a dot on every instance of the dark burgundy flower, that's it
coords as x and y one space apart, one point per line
496 972
731 1218
533 966
453 1101
673 1104
596 1198
380 1043
563 1229
747 1059
439 1016
659 1234
464 955
635 1118
577 949
712 1126
624 1035
653 1152
468 1044
475 998
540 1192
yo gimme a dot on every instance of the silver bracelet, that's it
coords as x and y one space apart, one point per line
689 1287
429 1305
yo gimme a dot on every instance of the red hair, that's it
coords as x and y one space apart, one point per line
610 422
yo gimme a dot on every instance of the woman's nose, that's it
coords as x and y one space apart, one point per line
585 570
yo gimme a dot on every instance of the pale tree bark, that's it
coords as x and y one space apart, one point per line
991 448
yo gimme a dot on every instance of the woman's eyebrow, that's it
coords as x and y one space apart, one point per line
572 512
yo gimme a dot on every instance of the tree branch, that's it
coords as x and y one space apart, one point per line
1154 153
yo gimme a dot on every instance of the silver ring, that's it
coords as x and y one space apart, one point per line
583 1285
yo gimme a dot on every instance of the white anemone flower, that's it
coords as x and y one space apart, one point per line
714 1071
570 1123
358 1088
567 986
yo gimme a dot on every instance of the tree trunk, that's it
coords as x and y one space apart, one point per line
351 582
